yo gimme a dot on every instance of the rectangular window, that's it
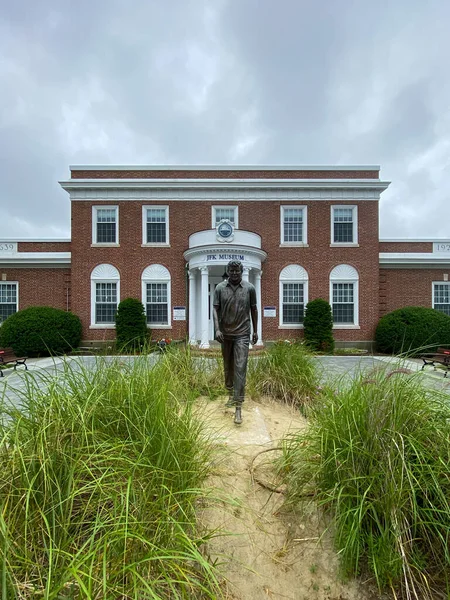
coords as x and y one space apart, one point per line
225 212
157 304
293 225
343 303
441 297
105 302
105 225
293 303
344 225
8 300
156 230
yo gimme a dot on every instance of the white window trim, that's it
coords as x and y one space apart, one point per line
111 279
433 283
304 243
168 281
146 244
16 283
236 214
289 279
353 244
94 226
355 282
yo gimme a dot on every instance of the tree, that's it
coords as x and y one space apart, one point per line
131 325
318 325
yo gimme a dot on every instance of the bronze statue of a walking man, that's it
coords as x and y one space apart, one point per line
234 306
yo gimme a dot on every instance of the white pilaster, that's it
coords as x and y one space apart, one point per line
259 305
204 316
192 307
245 273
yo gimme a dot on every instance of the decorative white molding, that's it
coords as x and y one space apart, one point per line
105 271
285 167
156 273
344 272
413 259
36 259
294 273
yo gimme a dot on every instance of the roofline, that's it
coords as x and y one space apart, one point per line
412 258
28 240
415 240
226 183
36 258
224 167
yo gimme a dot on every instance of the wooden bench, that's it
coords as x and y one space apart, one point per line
440 357
8 357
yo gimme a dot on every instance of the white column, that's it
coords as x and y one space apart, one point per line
259 305
245 273
192 307
204 317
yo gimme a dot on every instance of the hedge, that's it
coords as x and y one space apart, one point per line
318 325
131 325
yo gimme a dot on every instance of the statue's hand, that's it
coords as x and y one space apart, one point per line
219 336
254 338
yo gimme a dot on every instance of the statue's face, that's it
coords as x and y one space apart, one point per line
234 275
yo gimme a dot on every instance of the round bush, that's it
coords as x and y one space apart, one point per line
41 331
131 325
413 329
318 325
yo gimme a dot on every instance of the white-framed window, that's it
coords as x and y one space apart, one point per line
105 296
105 225
441 297
155 225
293 296
156 296
9 299
225 212
294 225
344 294
344 225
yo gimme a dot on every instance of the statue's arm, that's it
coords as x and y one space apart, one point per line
219 334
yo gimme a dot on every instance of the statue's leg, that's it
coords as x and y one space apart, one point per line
240 374
228 367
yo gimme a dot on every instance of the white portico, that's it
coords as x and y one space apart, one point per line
209 253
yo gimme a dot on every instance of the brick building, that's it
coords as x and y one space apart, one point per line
165 234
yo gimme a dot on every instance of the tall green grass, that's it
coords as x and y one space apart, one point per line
286 372
377 455
100 478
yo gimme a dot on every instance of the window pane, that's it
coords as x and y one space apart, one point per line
225 213
8 300
343 225
156 226
293 225
442 297
157 305
293 303
105 302
106 226
343 306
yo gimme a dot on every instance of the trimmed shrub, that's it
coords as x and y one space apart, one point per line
412 329
318 325
131 325
40 331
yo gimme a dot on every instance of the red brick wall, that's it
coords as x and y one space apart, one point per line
262 218
407 287
43 247
41 287
181 174
406 246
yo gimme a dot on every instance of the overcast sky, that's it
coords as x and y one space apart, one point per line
225 82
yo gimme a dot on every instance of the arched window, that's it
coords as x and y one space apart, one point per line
293 296
344 294
105 295
156 296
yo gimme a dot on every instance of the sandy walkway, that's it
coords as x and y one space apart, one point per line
266 551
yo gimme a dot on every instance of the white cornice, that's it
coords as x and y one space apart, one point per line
413 259
31 240
36 259
415 240
224 168
360 184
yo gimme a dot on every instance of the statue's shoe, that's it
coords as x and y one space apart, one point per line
238 416
230 402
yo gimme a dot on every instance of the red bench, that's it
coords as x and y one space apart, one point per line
8 357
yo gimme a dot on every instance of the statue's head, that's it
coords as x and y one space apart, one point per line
234 271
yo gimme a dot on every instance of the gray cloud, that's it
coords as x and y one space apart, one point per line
198 81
